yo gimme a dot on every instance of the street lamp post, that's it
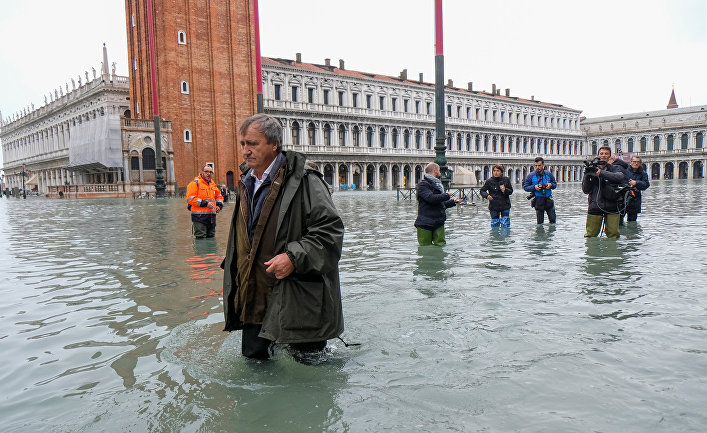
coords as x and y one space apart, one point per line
440 147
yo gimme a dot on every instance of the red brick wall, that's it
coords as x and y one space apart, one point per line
218 62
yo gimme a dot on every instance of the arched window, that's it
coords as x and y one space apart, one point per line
181 37
295 133
671 141
187 135
342 135
356 136
327 134
369 137
630 144
148 159
429 140
418 139
656 143
134 163
395 138
382 137
406 138
698 140
643 144
185 87
683 141
311 134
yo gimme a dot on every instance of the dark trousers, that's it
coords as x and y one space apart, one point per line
202 230
256 347
540 215
632 216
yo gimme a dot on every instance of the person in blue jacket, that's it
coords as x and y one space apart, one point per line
541 183
638 178
432 204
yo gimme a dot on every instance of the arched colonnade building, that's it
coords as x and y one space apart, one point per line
377 132
670 142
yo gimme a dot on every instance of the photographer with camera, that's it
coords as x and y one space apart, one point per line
540 184
602 182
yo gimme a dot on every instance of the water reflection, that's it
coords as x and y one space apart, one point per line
431 264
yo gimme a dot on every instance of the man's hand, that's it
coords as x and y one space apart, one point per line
280 265
548 186
596 173
218 209
489 197
538 187
632 182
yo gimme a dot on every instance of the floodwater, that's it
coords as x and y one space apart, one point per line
111 320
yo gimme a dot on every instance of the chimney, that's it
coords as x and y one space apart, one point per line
341 64
493 89
508 92
298 56
450 83
327 62
532 98
404 74
421 77
498 92
470 86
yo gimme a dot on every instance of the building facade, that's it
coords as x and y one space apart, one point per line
74 143
670 142
377 132
205 63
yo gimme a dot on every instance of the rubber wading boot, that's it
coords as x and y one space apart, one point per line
593 226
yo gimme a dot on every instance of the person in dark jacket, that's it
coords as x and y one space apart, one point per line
541 182
603 200
281 271
497 190
638 178
432 204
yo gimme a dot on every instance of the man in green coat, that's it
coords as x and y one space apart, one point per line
281 271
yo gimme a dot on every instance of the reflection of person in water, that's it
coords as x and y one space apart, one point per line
430 263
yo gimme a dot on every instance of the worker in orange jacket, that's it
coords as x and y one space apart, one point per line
204 199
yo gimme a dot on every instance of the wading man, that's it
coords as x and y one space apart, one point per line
281 271
205 201
599 183
540 183
432 204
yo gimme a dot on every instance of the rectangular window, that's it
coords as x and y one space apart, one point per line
459 112
368 101
449 110
417 107
326 97
354 97
395 104
341 98
494 115
477 113
310 95
381 101
468 112
429 108
405 105
294 93
277 92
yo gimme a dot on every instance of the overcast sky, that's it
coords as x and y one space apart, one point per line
602 57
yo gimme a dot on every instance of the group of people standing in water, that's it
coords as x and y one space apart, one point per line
613 190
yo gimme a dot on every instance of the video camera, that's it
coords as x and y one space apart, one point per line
592 166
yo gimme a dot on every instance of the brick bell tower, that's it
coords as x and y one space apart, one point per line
205 62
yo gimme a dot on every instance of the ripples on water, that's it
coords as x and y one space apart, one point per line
111 321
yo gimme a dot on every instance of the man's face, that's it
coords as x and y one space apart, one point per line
635 164
207 172
437 172
604 154
257 153
539 166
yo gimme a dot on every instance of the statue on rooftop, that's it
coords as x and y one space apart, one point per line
94 72
73 84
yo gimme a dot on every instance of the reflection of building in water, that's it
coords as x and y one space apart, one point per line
74 144
668 141
376 130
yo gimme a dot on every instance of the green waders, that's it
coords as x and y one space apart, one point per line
427 237
611 227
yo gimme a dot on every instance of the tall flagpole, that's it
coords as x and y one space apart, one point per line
159 175
258 64
440 147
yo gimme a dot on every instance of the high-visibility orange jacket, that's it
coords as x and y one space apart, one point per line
199 195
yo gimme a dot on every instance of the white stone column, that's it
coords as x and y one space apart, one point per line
389 176
376 177
349 173
336 177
